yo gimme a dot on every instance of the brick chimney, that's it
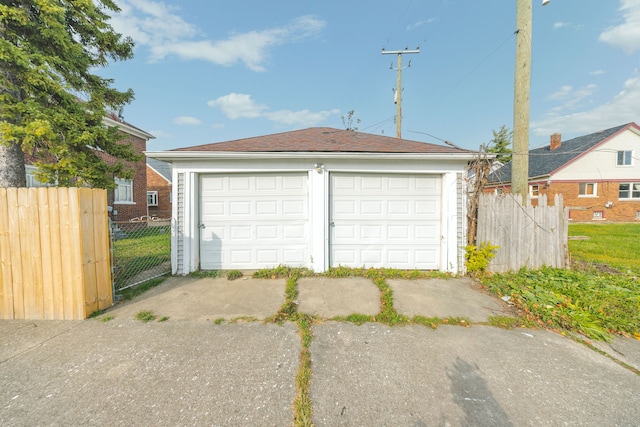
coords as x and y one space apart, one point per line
556 141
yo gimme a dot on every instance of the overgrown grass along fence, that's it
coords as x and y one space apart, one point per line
141 251
54 253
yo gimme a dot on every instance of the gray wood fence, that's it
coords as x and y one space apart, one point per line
527 236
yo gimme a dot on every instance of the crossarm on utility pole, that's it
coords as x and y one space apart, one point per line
398 93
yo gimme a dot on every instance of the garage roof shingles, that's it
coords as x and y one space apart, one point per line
323 139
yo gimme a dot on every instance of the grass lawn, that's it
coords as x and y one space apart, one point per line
598 298
614 245
139 251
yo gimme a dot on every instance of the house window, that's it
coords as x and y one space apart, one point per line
32 181
534 190
124 191
498 191
598 215
638 215
625 158
588 189
629 190
152 198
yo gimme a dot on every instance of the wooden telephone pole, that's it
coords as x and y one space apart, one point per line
522 88
398 91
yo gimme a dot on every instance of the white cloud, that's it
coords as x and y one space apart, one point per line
419 24
625 35
239 105
302 117
597 73
621 109
151 23
186 120
160 134
560 24
570 98
159 28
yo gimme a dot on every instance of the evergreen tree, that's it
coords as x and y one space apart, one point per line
52 105
500 144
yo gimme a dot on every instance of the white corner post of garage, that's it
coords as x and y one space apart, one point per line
450 220
319 209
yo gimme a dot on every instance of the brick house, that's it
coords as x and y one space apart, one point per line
598 174
129 199
159 188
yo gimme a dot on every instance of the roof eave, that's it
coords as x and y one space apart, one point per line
131 130
199 155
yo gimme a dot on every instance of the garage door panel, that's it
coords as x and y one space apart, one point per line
385 220
240 183
254 221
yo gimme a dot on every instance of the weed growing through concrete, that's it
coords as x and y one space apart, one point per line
145 316
507 322
234 274
219 321
243 319
106 319
205 274
96 314
163 319
302 407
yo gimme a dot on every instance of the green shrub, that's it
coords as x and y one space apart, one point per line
477 258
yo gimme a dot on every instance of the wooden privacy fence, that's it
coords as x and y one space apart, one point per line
54 253
527 236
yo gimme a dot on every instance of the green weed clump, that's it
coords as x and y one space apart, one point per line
594 304
478 257
234 274
145 316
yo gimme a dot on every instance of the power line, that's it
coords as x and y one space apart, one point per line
476 67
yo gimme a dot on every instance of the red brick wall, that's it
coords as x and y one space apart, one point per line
138 208
581 209
156 182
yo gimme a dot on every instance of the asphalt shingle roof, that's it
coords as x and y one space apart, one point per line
543 161
163 168
323 139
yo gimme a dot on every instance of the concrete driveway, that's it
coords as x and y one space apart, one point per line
188 370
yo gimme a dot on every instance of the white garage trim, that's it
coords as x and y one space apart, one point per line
385 220
253 220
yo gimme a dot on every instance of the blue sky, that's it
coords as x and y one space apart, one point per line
209 71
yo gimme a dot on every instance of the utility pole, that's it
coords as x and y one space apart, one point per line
398 91
522 88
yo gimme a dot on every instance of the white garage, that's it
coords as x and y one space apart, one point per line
318 198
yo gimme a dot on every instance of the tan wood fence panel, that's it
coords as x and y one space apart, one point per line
54 253
527 236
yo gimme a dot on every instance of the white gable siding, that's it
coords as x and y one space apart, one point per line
601 163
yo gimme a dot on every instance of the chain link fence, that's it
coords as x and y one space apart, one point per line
140 251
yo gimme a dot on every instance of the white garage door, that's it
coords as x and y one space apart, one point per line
385 221
253 221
